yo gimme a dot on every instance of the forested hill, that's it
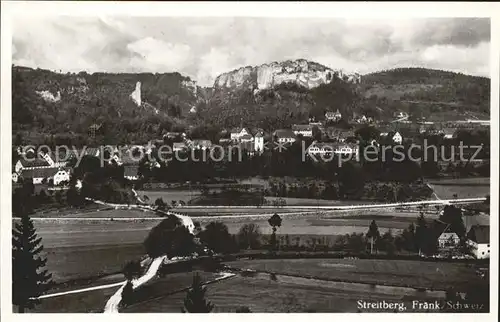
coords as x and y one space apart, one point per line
468 94
48 105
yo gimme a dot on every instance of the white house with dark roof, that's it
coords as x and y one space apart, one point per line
335 148
131 172
179 146
201 144
395 136
478 238
333 116
448 133
302 129
284 136
39 174
246 138
30 164
259 142
448 239
238 132
61 176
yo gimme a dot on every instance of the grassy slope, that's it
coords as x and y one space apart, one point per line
390 272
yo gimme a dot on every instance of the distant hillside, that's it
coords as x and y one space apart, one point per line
54 107
46 102
280 105
435 90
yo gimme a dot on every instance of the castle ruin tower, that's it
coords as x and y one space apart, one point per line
136 94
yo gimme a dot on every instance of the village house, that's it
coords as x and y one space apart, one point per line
448 133
131 172
61 176
400 115
333 116
340 135
335 148
448 240
173 135
284 136
179 147
395 136
478 238
236 133
259 142
201 144
246 138
30 164
302 129
320 148
42 175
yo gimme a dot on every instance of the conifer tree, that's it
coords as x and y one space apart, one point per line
195 298
29 279
373 234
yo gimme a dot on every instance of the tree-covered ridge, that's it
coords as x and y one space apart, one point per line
471 93
281 106
100 98
419 75
104 99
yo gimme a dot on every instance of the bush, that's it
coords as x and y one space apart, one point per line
249 236
169 238
132 270
217 238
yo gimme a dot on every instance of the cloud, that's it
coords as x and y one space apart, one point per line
158 56
465 32
202 48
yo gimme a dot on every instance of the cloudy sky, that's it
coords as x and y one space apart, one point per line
202 48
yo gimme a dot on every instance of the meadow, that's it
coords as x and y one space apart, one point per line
78 249
321 285
461 187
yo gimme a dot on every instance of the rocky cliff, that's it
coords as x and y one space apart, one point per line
300 72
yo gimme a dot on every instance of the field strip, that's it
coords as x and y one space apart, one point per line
311 210
367 206
224 276
82 290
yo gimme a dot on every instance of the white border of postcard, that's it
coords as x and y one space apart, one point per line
11 10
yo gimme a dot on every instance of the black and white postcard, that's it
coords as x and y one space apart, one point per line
249 158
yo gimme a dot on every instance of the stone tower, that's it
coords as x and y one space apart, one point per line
136 94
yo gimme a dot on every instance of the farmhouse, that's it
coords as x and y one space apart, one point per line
478 238
447 240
